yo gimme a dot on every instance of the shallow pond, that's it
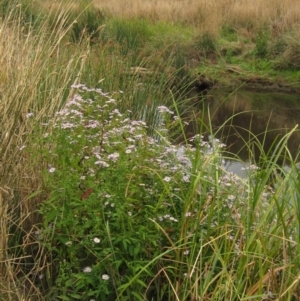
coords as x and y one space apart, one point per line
250 123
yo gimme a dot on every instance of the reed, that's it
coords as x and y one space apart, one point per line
35 81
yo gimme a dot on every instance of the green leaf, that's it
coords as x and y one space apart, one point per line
141 283
75 296
131 250
125 244
136 250
64 298
50 216
137 296
78 276
34 194
69 283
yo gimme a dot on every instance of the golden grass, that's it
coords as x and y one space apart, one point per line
35 77
210 15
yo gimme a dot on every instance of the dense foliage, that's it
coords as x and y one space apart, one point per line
132 217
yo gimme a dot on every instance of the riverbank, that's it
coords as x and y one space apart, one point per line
239 47
227 44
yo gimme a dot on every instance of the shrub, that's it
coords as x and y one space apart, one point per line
95 218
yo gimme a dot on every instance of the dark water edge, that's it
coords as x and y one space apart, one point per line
250 123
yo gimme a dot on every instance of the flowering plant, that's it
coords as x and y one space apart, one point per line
124 205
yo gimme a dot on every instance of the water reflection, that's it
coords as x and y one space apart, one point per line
250 123
237 167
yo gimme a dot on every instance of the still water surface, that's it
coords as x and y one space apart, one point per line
258 119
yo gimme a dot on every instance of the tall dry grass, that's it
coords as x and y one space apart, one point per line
211 15
35 79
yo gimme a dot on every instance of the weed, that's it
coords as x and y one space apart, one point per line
206 43
261 43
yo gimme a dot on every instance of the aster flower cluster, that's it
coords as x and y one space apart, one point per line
114 185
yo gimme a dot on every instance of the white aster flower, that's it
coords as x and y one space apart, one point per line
167 179
163 109
113 157
97 240
186 179
105 277
101 163
87 270
28 115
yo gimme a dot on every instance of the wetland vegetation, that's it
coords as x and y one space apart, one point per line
113 182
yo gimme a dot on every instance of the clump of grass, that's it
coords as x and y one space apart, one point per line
206 43
229 33
130 34
288 48
29 14
88 23
35 80
132 216
261 43
32 66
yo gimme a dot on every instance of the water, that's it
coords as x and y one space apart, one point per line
250 123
